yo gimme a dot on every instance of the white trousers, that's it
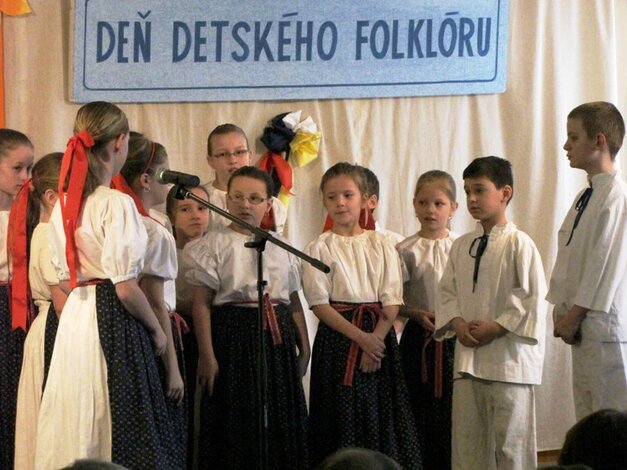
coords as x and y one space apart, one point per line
494 426
599 376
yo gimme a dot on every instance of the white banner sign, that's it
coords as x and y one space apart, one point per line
207 50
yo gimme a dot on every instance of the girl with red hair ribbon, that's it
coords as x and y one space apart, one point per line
16 159
34 203
137 178
103 397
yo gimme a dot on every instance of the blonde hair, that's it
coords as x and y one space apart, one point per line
105 122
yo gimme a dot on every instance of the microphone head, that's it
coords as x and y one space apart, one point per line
159 175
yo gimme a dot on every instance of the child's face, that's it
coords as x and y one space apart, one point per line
15 168
485 201
190 218
343 201
228 153
434 209
581 150
248 199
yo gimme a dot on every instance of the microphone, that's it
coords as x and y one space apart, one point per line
165 176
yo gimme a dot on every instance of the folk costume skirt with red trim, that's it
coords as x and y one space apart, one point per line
374 412
11 353
428 367
228 433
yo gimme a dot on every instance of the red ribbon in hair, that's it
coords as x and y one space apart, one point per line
119 182
75 164
22 312
366 221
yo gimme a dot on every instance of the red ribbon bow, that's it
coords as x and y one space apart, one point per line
76 164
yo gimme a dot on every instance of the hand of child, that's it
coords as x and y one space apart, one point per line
485 331
207 372
568 328
462 330
427 320
372 345
303 363
159 341
175 388
368 364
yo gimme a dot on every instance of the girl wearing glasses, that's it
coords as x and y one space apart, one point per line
358 395
225 317
228 150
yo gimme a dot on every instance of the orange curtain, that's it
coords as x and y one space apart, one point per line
11 8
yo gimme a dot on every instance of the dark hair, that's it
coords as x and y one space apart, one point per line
224 129
105 122
171 202
601 117
496 169
141 151
371 181
45 175
11 139
446 183
598 440
255 173
358 458
356 172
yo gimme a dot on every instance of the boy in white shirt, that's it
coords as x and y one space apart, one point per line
491 296
589 282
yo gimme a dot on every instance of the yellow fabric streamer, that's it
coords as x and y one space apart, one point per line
305 146
14 7
284 196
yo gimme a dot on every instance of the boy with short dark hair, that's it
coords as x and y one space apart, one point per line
491 297
589 281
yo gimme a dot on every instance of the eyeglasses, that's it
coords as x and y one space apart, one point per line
238 153
255 199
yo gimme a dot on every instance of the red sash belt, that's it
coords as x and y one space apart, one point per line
358 310
437 366
90 282
269 318
181 326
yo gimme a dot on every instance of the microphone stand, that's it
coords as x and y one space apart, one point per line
259 244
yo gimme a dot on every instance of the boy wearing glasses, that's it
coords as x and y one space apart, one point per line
491 297
589 282
228 150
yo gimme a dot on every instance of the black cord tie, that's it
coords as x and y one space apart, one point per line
582 202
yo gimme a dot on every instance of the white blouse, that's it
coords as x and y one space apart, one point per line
220 261
423 263
110 238
160 259
364 268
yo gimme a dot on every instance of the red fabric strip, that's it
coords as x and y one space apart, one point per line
22 313
76 165
354 352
